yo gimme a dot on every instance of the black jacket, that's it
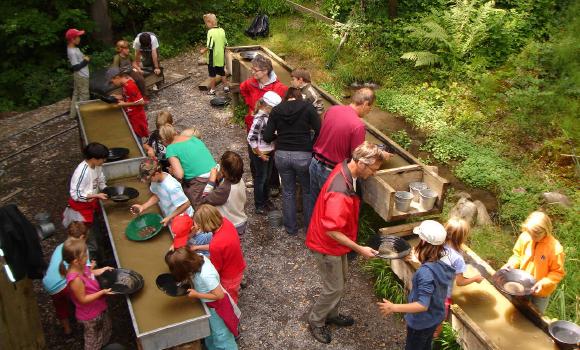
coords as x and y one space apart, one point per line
292 121
19 241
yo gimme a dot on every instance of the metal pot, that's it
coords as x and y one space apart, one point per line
566 334
403 200
415 188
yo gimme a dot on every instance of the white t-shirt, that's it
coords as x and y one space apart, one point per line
170 194
75 56
154 41
85 181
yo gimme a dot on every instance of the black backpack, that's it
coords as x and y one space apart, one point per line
260 27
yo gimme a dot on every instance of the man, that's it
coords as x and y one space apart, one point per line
342 131
332 235
146 45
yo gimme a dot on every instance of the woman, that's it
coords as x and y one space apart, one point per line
292 122
224 248
185 264
190 161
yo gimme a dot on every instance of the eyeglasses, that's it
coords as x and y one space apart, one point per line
256 70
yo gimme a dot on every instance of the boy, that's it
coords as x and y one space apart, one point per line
167 192
79 64
301 80
216 44
186 233
132 101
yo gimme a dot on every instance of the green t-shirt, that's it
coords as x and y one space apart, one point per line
194 157
216 43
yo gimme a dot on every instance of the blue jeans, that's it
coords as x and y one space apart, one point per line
419 339
318 175
261 180
293 166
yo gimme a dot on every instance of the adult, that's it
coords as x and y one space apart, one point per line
252 90
342 131
290 124
146 53
225 250
190 161
332 235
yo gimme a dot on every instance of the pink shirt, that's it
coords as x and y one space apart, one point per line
342 131
87 312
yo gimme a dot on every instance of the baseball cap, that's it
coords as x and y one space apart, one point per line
271 98
431 232
147 168
73 33
112 72
181 227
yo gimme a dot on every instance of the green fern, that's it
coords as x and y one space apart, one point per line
422 58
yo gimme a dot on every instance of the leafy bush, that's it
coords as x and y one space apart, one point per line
447 340
402 138
387 284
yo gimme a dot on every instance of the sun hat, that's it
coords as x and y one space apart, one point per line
271 98
73 33
181 227
431 232
147 168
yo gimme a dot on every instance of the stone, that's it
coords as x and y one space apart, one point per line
463 194
464 209
483 218
556 198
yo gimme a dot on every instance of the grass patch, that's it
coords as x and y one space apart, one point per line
492 245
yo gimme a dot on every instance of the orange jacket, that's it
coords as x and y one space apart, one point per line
544 260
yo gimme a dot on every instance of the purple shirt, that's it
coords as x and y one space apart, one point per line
342 131
87 312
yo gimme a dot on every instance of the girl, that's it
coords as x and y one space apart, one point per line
224 248
260 150
539 253
154 147
426 307
184 265
91 307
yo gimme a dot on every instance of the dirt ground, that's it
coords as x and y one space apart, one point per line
282 276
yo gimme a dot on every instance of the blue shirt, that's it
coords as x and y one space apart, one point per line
170 194
457 262
53 282
207 279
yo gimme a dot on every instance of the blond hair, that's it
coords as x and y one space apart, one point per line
210 19
207 218
167 133
72 249
368 153
538 223
164 117
121 44
363 95
189 132
457 232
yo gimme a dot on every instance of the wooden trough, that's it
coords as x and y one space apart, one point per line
395 174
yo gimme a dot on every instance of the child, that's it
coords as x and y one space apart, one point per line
154 147
123 61
186 232
224 317
55 284
132 101
86 185
216 44
426 307
191 132
167 192
226 190
79 64
301 80
539 253
86 294
261 150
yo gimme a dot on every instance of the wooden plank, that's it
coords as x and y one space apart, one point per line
204 85
378 194
310 12
470 336
399 230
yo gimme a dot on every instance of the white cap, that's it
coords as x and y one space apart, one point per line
431 232
271 98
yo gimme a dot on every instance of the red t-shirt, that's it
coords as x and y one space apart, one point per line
251 92
342 131
225 251
336 209
136 114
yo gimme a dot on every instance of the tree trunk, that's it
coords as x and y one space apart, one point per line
104 28
392 9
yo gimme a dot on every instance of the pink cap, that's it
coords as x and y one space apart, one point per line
73 33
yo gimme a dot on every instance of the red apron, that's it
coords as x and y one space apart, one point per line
86 209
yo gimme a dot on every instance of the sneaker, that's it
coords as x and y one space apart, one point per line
261 211
274 192
211 92
322 334
341 320
226 89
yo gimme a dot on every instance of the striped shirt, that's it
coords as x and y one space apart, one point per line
256 133
170 195
86 181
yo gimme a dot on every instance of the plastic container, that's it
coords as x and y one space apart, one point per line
403 200
415 188
427 198
275 218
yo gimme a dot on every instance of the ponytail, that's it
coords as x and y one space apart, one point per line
62 269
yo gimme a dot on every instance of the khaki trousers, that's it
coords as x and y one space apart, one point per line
332 270
80 92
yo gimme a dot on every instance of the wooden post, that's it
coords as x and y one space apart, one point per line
20 326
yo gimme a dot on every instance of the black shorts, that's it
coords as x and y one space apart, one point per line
213 71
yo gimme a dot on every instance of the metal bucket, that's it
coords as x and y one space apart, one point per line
428 198
44 227
275 218
415 188
403 200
